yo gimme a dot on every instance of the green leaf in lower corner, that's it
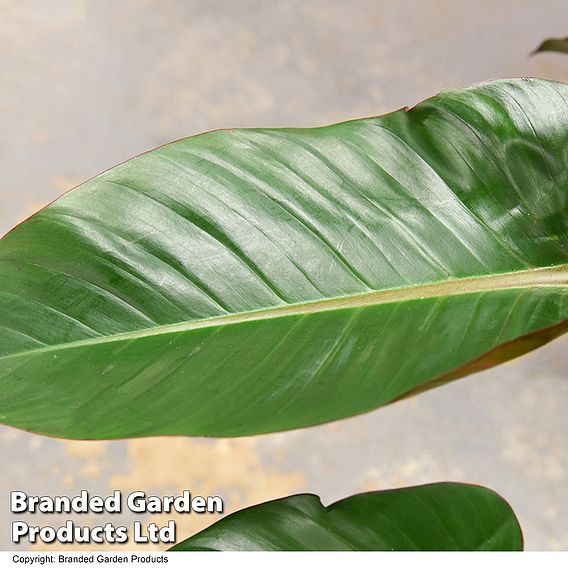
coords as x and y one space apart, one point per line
553 44
442 516
249 281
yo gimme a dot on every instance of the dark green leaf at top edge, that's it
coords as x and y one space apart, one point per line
559 45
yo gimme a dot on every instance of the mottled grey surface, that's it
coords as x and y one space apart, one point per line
88 83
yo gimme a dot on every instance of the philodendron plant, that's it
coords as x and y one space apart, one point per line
442 516
249 281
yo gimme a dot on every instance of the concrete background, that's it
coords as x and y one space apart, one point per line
89 83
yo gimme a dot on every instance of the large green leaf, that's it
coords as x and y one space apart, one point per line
553 44
442 516
247 281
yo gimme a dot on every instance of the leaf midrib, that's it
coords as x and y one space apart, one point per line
548 277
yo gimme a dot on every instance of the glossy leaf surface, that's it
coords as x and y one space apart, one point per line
443 516
553 44
247 281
